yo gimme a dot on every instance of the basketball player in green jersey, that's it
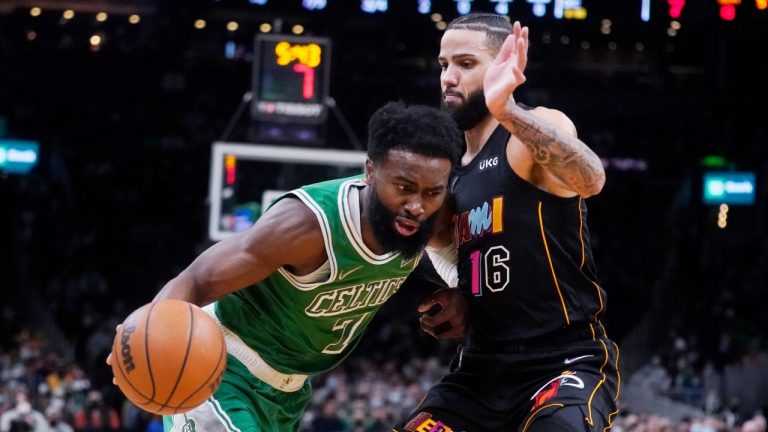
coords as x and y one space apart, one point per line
294 293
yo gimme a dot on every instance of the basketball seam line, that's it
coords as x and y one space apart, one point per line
146 351
186 355
223 355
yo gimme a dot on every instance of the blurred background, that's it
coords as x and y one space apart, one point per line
109 111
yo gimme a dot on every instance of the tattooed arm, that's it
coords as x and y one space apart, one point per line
550 136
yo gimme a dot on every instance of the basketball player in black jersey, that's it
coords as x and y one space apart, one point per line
538 358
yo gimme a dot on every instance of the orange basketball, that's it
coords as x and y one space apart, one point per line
168 357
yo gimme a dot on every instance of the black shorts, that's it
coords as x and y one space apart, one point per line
568 387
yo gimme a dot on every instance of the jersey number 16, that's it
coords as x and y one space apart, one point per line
489 269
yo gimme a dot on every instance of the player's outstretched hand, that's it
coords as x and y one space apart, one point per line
507 72
444 314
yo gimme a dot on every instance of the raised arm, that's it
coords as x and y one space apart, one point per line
549 135
551 138
287 235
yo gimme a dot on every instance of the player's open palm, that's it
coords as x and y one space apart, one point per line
507 72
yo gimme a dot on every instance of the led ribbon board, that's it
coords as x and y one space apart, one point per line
729 188
290 78
17 156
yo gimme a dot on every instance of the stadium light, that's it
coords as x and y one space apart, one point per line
373 6
464 6
540 7
675 8
569 9
502 6
314 4
728 9
645 10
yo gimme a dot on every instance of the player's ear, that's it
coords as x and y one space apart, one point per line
369 169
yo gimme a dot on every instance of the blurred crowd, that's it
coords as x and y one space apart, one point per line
633 422
40 391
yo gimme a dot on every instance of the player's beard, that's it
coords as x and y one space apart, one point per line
471 112
383 225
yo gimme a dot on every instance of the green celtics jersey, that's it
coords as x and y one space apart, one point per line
308 328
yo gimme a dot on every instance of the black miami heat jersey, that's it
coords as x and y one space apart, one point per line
525 260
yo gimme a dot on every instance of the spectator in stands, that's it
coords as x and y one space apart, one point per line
755 424
652 378
56 421
329 420
96 416
22 418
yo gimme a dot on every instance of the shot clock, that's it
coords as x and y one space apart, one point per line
290 78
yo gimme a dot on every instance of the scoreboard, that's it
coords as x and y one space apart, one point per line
290 78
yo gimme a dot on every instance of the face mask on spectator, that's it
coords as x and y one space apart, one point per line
23 407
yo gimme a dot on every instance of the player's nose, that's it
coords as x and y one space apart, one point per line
414 206
449 78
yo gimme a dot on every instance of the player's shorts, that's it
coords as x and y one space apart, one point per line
244 403
571 386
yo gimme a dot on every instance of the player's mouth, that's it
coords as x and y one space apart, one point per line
406 227
450 97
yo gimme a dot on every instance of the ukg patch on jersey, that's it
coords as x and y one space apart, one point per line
423 422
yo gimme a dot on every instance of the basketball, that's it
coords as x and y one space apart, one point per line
168 357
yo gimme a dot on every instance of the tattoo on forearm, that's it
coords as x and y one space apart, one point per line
565 155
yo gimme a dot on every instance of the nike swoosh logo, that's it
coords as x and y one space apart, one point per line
406 262
342 275
571 360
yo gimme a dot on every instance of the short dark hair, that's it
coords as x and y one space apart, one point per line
496 27
418 129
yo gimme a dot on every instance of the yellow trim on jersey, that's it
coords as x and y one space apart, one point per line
618 373
530 417
584 258
552 267
610 422
599 297
602 380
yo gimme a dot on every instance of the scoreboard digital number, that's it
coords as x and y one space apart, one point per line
290 78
